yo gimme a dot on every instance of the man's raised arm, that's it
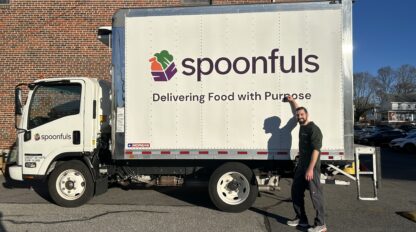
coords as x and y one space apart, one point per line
293 104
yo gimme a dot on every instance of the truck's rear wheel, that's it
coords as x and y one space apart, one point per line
232 187
70 184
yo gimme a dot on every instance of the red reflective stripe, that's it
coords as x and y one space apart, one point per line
165 152
146 152
330 157
324 153
129 152
262 153
222 152
184 152
203 152
242 153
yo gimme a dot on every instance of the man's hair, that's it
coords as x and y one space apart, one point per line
302 108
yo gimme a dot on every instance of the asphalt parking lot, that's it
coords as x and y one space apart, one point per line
26 207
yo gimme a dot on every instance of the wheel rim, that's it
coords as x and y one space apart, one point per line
233 188
70 184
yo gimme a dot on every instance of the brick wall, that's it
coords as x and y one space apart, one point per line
56 38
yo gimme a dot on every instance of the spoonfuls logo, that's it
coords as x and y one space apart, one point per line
162 66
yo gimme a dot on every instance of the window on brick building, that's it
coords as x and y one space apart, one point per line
4 1
52 102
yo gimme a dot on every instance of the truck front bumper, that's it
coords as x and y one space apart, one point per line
15 172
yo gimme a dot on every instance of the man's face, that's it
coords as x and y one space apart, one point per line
302 116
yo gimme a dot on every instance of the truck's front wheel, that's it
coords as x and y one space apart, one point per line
70 184
232 187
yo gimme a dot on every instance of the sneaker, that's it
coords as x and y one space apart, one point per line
317 229
297 222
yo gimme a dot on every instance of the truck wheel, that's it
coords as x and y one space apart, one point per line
233 187
70 184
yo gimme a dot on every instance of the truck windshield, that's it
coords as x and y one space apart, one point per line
51 102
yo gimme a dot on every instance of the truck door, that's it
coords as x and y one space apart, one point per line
54 124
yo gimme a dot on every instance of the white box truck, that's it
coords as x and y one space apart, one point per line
196 95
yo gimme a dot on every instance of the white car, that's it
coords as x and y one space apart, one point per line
407 143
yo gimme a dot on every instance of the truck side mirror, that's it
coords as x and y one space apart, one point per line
18 111
18 101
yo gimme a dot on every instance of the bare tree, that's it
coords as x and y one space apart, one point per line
395 84
363 93
384 84
406 81
389 85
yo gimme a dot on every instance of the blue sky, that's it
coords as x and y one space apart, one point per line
384 34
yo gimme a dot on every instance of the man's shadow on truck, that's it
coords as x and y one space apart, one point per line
280 142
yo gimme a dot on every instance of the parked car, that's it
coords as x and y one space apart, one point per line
381 137
411 131
407 143
384 127
407 127
368 131
378 128
357 133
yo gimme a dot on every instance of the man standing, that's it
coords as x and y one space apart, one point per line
307 173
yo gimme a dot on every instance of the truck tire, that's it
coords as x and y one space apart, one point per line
70 184
233 187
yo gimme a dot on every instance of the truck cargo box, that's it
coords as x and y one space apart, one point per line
208 82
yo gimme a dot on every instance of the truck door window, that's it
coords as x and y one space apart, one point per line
51 102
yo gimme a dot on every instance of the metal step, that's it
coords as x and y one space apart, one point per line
375 173
373 152
366 173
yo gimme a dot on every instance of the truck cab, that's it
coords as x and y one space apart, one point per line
63 118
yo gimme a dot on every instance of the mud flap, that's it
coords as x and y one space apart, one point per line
101 185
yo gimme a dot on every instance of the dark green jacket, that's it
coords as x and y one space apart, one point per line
310 138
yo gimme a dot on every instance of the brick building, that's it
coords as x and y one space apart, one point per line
56 38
